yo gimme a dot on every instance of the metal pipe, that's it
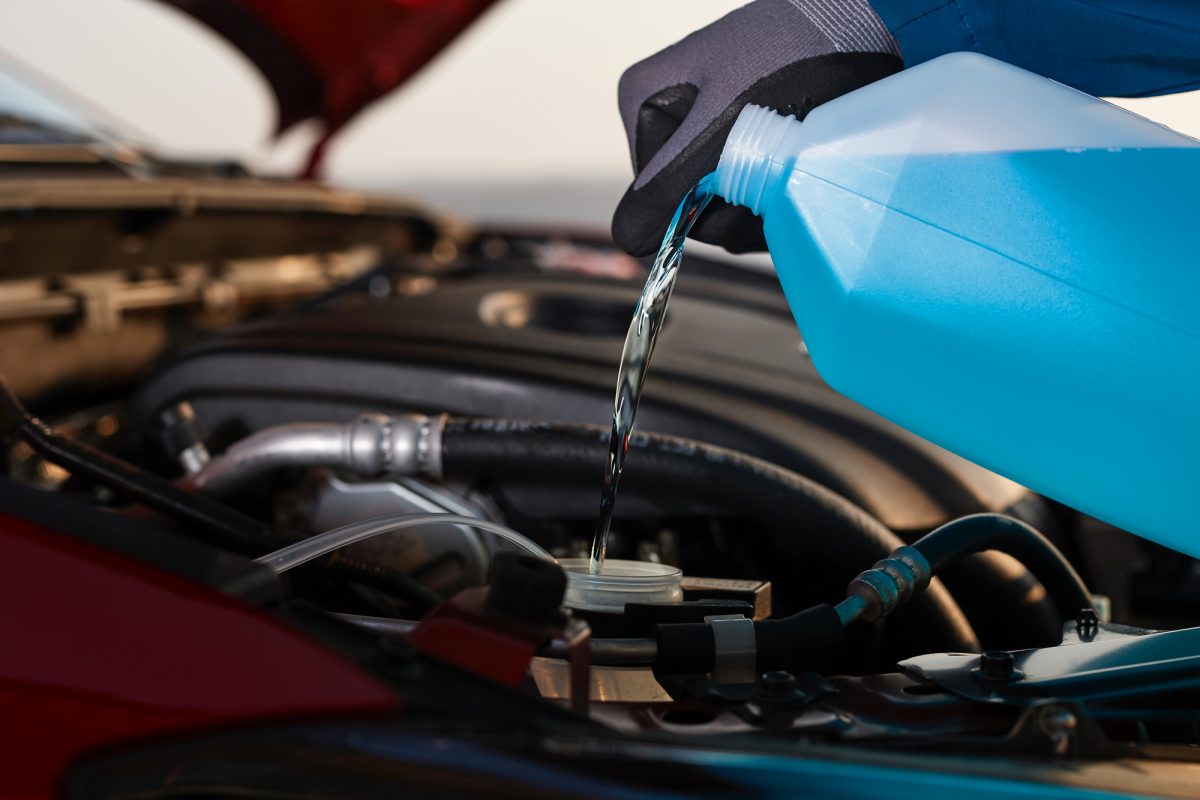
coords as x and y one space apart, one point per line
979 532
851 609
384 626
369 445
604 652
610 652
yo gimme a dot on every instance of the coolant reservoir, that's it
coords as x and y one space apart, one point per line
1003 265
619 583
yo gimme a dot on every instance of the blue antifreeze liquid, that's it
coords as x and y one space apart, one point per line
648 317
1028 297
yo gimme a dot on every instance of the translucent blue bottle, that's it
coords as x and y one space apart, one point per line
1003 265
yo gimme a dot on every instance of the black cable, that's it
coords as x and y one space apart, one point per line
359 284
419 598
803 517
1020 540
224 525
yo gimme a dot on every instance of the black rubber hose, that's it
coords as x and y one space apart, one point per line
802 516
224 525
980 532
1009 608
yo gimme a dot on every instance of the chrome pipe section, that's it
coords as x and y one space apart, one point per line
603 652
609 652
384 626
370 445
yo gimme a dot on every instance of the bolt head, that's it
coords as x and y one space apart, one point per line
996 665
778 683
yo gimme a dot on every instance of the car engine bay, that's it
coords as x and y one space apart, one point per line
473 381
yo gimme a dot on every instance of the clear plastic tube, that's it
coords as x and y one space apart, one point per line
316 546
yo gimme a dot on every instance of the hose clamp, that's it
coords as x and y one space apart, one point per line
736 649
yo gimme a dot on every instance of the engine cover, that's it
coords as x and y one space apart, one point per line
507 338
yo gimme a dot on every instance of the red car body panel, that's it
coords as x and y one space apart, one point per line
99 648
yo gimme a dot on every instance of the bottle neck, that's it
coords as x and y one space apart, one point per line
756 155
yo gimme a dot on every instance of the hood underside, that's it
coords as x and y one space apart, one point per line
328 61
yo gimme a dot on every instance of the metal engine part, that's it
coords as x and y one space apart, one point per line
446 558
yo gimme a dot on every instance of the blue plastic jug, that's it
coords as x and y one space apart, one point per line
1002 265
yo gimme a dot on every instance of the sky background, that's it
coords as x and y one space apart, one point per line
516 121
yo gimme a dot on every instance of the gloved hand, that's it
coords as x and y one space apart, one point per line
679 105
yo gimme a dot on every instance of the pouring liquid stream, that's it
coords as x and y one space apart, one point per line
643 332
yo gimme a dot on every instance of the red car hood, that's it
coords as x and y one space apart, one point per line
329 60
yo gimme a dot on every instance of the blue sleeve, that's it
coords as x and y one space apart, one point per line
1117 48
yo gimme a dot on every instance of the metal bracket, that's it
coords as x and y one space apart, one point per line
1118 665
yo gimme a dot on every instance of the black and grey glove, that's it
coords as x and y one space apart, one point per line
679 105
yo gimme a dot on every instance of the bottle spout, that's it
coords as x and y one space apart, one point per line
756 155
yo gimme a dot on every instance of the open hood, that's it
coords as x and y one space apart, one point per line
328 61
